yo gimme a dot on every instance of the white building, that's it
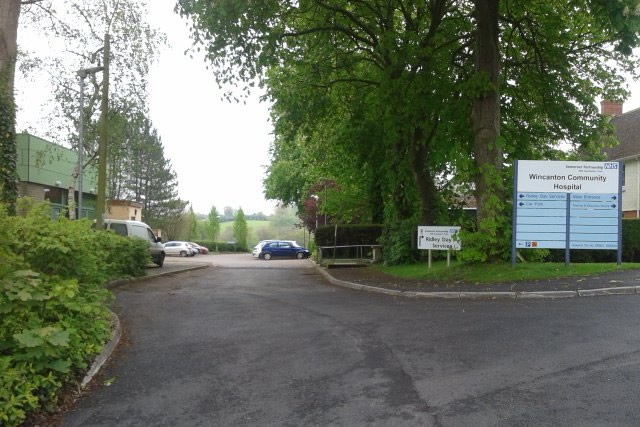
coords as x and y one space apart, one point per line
627 129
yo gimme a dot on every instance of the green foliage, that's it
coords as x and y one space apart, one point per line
361 234
240 230
69 249
631 240
49 329
491 243
396 240
53 306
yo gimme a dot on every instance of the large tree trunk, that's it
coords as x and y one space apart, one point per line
425 181
9 13
486 114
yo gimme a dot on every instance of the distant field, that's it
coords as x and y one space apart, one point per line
261 230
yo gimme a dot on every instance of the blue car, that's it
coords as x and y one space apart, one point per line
283 249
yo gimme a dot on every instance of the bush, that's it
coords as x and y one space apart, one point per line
397 239
360 234
53 307
71 249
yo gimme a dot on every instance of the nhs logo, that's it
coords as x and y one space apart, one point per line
611 165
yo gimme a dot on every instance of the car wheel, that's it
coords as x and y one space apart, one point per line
160 261
267 256
183 253
299 255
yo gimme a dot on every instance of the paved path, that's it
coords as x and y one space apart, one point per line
251 343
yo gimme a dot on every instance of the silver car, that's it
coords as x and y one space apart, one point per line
176 248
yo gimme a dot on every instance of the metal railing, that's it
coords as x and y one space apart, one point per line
370 253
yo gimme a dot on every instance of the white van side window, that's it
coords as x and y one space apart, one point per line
120 229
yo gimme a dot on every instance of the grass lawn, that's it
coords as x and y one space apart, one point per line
494 273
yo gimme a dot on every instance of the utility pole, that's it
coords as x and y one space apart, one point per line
82 74
104 135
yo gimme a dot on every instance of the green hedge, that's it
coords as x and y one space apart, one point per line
361 234
630 248
53 305
221 246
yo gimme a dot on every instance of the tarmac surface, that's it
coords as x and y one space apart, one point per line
247 342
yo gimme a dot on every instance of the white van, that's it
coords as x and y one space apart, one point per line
141 230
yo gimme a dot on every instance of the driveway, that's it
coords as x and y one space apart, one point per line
270 343
243 260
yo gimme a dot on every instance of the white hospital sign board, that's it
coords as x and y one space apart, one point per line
542 176
438 238
567 205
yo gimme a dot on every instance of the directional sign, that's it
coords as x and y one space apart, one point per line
607 197
567 205
438 238
541 220
542 196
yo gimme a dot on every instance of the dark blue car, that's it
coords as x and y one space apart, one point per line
283 249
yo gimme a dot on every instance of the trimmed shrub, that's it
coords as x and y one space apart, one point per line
358 234
221 246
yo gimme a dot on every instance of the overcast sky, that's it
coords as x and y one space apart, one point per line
217 149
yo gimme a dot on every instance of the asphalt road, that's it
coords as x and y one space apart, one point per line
249 342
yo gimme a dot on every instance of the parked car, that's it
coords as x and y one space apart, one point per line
201 249
141 230
179 249
257 248
194 249
283 249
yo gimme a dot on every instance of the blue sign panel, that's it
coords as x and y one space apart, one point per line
594 221
541 220
578 211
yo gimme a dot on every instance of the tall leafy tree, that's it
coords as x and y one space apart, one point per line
454 89
240 229
212 225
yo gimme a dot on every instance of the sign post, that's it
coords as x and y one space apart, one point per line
443 238
567 205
